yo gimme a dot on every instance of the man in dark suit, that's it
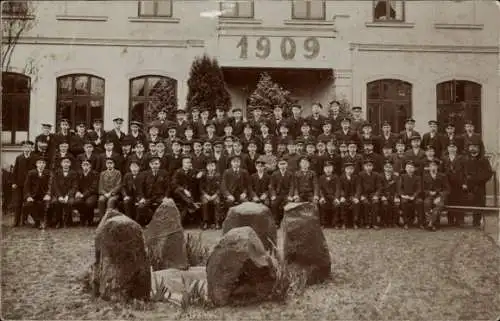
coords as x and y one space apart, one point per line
349 202
184 187
432 138
86 193
47 137
368 192
295 121
135 135
65 182
116 135
477 173
415 154
328 201
450 136
91 156
201 125
221 160
152 192
139 156
109 152
62 152
452 165
436 188
345 133
335 115
409 190
409 132
210 195
64 133
37 192
471 137
387 136
22 165
235 186
316 120
174 160
77 141
130 186
305 184
281 189
260 183
389 198
181 122
97 136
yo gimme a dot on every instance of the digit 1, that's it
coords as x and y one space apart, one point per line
243 43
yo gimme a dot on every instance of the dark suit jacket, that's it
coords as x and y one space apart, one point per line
76 144
475 138
94 136
22 165
346 137
316 124
140 138
62 186
210 184
94 159
294 125
305 182
142 161
153 187
235 183
281 185
432 141
348 187
410 185
221 163
329 186
130 185
57 161
35 186
117 140
439 184
199 161
174 162
391 140
88 185
117 157
260 185
445 140
406 137
368 185
389 186
183 180
454 170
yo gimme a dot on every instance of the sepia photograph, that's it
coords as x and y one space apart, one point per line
250 160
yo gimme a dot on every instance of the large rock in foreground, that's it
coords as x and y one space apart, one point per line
121 270
165 239
239 269
304 243
255 215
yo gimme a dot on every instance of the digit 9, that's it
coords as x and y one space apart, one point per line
311 46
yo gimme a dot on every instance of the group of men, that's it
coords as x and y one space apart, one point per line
208 164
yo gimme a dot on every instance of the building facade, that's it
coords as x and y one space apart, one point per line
101 59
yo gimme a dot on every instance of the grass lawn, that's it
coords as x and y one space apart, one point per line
389 274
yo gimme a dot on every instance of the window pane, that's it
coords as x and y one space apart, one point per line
80 113
97 86
228 8
137 111
299 9
81 85
398 7
147 8
22 113
317 10
20 136
65 85
153 84
165 8
373 90
6 137
138 87
63 110
96 111
245 9
7 117
22 84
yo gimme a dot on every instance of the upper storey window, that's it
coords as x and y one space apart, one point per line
388 10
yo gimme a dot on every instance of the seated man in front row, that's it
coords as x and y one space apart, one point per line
86 193
235 186
109 186
184 184
210 199
36 192
436 189
130 187
64 187
152 191
305 185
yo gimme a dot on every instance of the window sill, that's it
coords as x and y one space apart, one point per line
389 24
240 21
309 22
11 147
12 17
81 18
154 19
458 26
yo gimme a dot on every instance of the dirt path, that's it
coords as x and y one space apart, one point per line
383 275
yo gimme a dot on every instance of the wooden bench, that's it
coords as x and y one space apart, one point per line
490 218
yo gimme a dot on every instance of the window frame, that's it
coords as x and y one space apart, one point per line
14 111
155 14
144 99
78 99
388 6
237 10
15 5
308 15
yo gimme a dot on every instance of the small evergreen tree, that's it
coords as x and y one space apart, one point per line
268 95
165 96
206 87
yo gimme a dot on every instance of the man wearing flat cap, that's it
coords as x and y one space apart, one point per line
116 134
37 194
235 186
328 197
432 137
24 163
369 188
237 122
408 132
357 119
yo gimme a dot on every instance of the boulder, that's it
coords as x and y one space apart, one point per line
179 282
165 240
239 269
304 244
255 215
121 270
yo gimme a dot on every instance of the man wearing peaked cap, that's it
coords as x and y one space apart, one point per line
22 164
409 131
328 181
369 194
280 188
260 181
305 185
210 198
37 194
436 189
471 137
345 133
116 134
235 185
409 190
451 136
348 200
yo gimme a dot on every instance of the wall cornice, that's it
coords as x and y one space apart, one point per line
424 48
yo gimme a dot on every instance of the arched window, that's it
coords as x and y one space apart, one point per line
149 94
15 107
80 97
457 101
389 100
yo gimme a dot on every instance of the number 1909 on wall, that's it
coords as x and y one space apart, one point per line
309 48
